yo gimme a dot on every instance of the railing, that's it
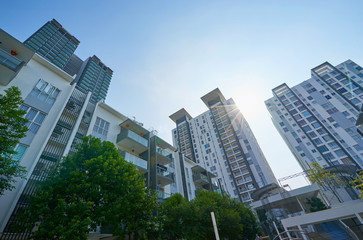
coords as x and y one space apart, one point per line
200 176
9 60
133 136
163 195
162 172
164 153
134 159
235 167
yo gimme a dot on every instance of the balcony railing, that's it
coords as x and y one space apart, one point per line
163 152
134 159
9 61
200 176
163 195
165 173
166 156
127 134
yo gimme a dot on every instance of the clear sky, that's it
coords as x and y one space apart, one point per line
167 54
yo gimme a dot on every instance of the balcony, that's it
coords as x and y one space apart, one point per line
9 61
164 157
234 167
164 176
163 195
141 164
9 66
132 141
200 179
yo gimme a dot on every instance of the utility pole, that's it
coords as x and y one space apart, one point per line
214 225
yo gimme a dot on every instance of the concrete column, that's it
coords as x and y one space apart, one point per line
287 232
359 218
302 208
301 232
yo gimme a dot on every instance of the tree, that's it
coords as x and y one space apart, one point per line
192 220
93 187
325 179
12 129
316 204
358 183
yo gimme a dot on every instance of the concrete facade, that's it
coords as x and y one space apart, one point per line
317 117
221 141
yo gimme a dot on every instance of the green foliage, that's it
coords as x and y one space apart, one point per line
12 129
93 187
316 204
325 179
321 176
192 220
358 183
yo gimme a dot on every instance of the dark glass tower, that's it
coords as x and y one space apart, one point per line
54 43
94 77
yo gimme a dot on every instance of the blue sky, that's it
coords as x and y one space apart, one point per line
167 54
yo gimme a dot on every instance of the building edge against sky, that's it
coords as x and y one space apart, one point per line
317 118
221 141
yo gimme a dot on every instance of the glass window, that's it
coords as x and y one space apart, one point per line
45 92
100 129
35 118
340 153
20 150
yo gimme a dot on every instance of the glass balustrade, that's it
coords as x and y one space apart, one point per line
133 136
163 195
134 159
9 60
165 173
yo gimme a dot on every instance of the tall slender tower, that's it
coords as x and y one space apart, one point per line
54 43
221 141
317 118
94 76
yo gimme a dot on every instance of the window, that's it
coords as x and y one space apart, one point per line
345 113
340 153
306 128
100 129
45 92
328 156
323 148
20 150
306 114
316 125
317 141
312 134
327 138
333 145
35 118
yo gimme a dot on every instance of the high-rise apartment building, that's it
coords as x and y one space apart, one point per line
94 76
221 141
57 45
54 43
317 118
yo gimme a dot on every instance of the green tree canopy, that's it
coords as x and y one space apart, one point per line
93 187
324 178
192 220
358 183
316 204
12 129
